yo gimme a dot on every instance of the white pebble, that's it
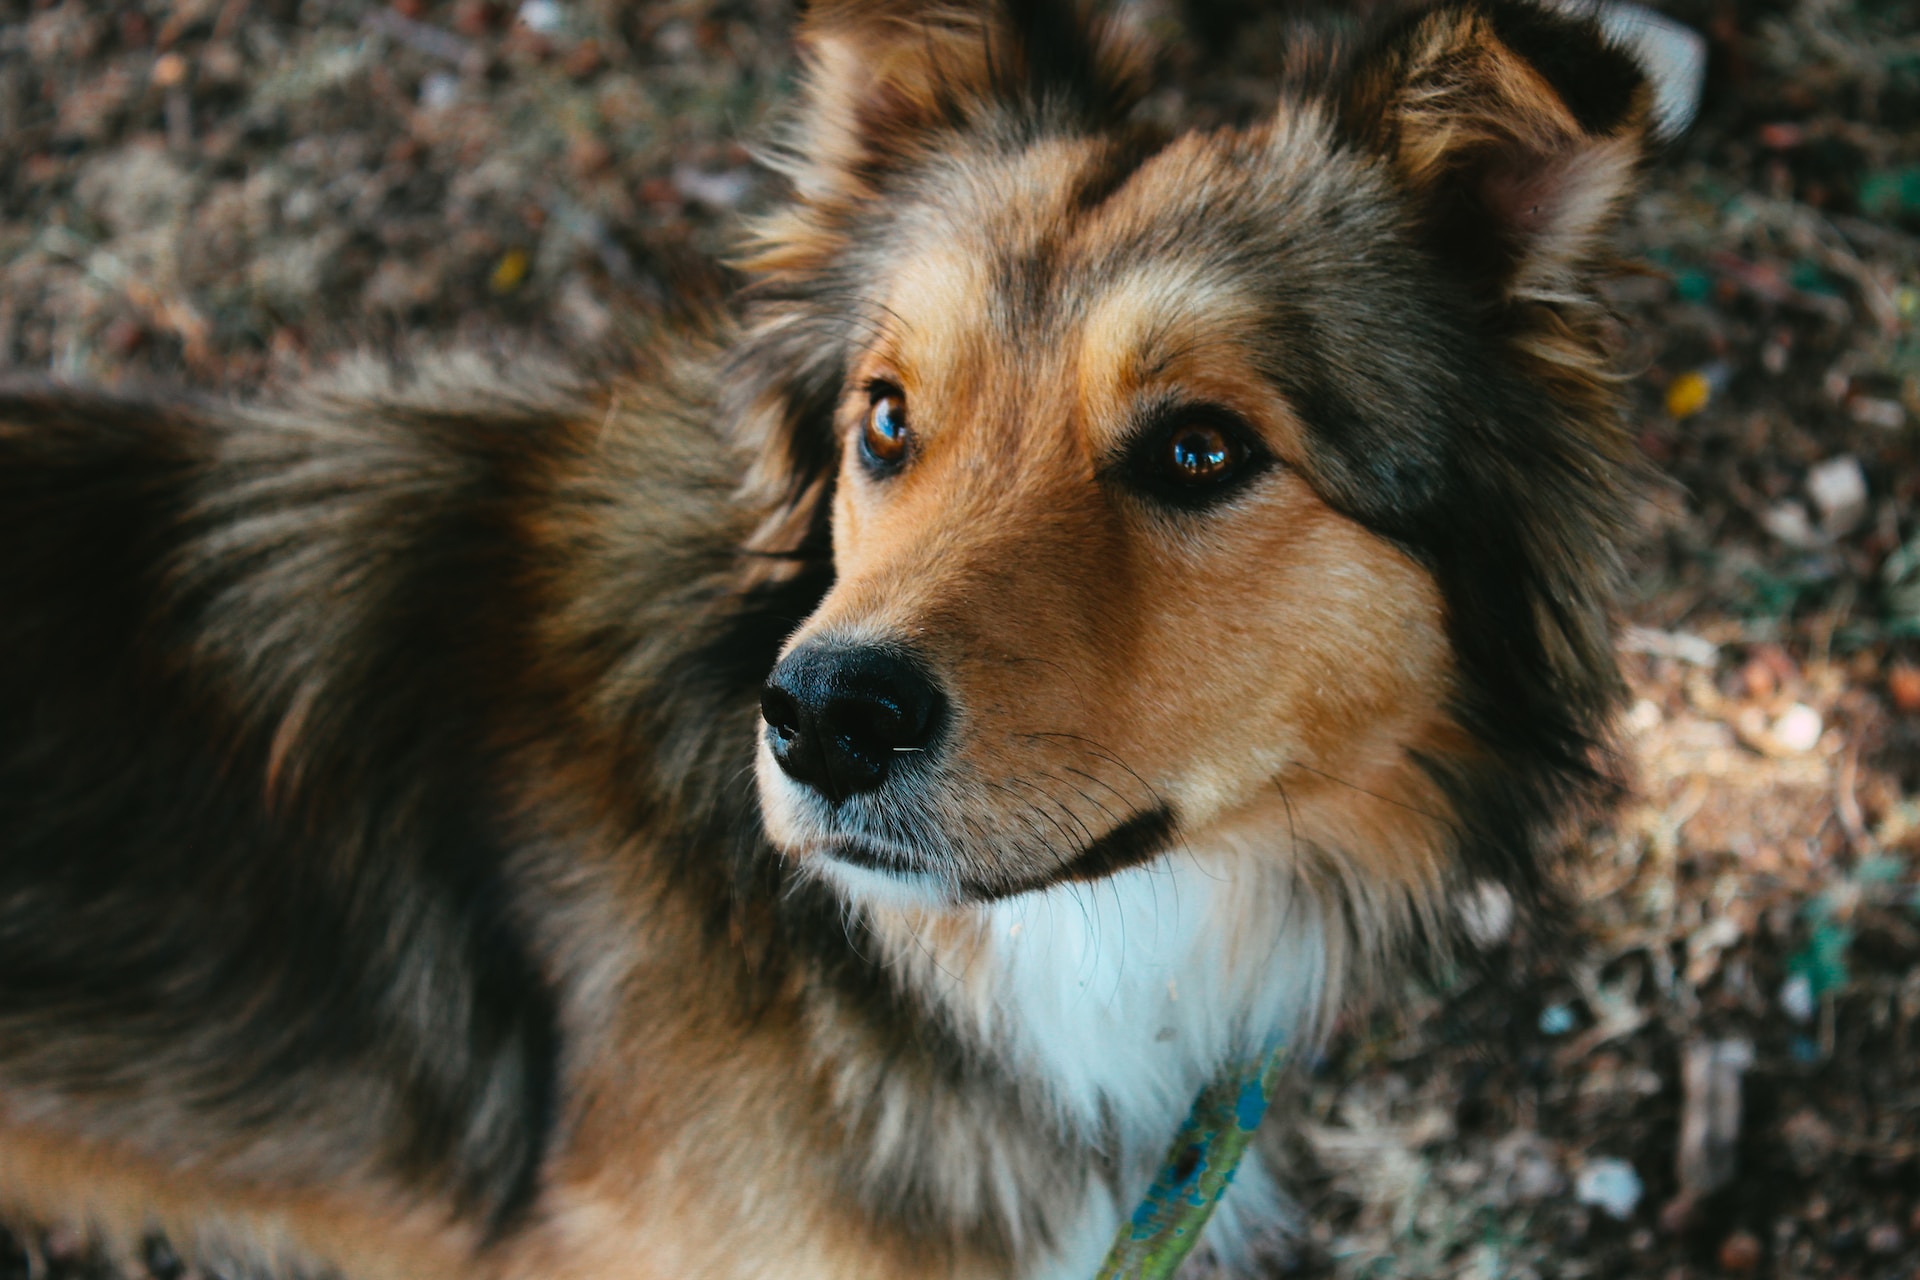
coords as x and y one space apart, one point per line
1788 521
1796 997
1798 728
1644 718
439 91
1871 411
1610 1185
542 16
1487 914
1838 488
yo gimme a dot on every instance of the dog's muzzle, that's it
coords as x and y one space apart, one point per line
841 719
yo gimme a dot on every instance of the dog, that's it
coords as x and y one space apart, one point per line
819 800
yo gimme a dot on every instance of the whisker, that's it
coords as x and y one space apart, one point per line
1023 812
1086 832
1120 914
1398 804
1286 801
1100 751
927 951
1099 782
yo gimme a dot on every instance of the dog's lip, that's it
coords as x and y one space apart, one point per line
1136 840
871 855
1131 843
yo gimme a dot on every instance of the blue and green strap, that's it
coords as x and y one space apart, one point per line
1197 1171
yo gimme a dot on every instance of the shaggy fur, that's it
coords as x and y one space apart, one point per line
398 877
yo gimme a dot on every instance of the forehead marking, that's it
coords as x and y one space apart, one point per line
931 309
1156 315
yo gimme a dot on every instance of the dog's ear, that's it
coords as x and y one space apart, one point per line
887 83
1516 131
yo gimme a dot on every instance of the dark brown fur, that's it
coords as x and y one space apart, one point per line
383 885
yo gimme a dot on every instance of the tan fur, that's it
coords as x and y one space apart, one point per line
1377 670
124 1197
1062 622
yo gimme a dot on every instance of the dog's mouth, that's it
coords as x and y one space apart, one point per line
866 777
1132 842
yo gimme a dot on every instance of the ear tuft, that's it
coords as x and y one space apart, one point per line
884 78
1516 132
1600 84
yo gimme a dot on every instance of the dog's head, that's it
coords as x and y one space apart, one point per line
1192 486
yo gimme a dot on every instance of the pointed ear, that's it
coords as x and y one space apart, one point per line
1515 129
885 82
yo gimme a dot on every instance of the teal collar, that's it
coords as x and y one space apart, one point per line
1196 1173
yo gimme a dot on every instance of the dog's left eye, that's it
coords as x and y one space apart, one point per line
1192 457
1200 453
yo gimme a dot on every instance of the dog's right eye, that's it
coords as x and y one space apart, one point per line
883 437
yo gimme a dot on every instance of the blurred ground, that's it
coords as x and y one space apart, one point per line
1719 1076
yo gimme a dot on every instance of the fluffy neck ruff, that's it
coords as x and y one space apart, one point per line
1111 1004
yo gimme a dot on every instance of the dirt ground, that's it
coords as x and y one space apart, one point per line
1717 1074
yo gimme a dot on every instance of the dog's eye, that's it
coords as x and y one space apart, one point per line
1201 454
883 438
1191 456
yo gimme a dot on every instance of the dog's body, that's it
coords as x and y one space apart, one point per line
1180 561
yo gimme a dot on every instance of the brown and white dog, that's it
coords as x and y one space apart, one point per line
820 803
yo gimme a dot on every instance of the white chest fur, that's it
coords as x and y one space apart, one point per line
1120 999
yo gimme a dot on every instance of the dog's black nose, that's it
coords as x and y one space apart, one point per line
839 718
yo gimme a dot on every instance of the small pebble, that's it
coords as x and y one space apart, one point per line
1796 997
1838 488
1872 411
543 16
439 91
1798 728
1487 914
1789 522
1740 1253
1644 718
1610 1185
